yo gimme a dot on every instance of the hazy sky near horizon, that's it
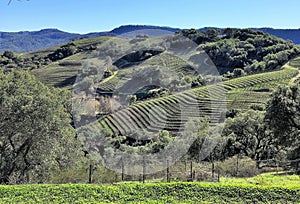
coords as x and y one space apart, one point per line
83 16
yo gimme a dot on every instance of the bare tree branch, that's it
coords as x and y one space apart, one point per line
9 2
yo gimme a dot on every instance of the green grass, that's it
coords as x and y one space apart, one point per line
90 41
266 179
180 192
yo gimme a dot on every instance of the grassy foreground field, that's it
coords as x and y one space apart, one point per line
266 179
150 193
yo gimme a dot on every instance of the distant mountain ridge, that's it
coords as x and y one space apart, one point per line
287 34
26 41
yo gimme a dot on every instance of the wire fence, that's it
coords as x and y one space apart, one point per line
188 170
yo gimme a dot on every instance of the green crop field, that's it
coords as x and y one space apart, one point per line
266 179
149 193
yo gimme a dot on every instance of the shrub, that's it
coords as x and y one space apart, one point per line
240 167
8 54
131 99
63 52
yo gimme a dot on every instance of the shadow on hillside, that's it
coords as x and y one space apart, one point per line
66 82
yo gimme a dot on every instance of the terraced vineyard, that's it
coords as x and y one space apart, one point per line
169 112
63 73
110 84
172 63
295 62
256 89
58 74
172 112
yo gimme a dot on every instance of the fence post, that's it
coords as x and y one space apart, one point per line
237 165
90 173
191 171
144 170
212 167
168 176
122 169
213 170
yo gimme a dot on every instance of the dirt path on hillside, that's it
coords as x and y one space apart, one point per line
294 79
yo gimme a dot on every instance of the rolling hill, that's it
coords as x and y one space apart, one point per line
26 41
241 93
146 92
246 86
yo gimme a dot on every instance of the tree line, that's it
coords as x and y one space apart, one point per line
237 52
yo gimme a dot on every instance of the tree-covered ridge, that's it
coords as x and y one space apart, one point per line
26 41
34 60
29 41
243 51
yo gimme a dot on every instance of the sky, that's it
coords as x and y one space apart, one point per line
84 16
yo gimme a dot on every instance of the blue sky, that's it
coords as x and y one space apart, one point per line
83 16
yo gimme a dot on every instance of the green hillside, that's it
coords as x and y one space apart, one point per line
55 66
241 93
251 73
63 72
196 106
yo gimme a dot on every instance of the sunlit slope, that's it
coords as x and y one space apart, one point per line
171 62
63 72
172 112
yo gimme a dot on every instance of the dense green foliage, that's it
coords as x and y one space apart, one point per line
246 134
153 193
270 134
283 112
35 129
238 50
